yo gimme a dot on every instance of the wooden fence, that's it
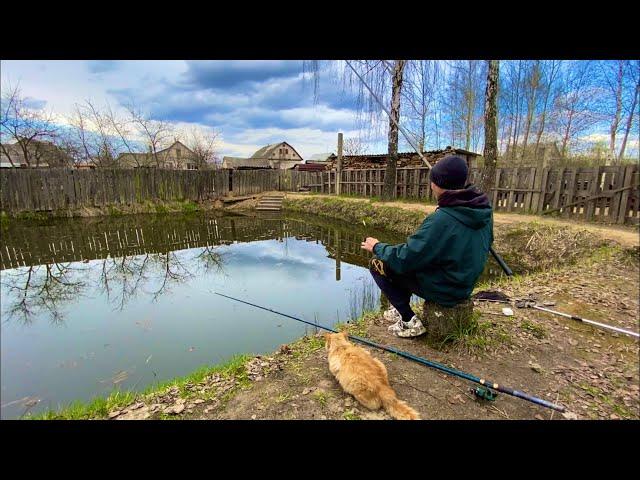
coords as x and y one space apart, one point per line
605 194
58 189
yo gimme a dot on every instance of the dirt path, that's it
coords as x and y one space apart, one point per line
625 235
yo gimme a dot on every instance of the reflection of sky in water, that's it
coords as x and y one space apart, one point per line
185 327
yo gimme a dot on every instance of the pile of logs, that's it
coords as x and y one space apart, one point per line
405 159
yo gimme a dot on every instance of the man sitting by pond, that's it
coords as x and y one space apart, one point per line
442 261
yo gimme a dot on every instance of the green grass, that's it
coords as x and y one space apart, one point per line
283 397
537 331
321 397
100 407
476 336
114 211
350 415
32 216
598 393
190 207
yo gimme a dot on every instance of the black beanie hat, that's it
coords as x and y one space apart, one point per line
450 173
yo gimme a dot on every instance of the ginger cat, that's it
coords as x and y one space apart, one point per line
364 377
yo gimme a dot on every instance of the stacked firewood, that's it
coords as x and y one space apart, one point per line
405 159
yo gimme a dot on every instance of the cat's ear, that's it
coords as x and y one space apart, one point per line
327 340
344 334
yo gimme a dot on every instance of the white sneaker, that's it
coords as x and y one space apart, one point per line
413 328
392 315
397 327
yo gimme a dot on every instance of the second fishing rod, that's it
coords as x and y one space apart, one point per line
423 361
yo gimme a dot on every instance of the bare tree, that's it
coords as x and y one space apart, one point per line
27 126
93 135
420 92
612 74
532 86
204 143
155 133
490 126
634 69
574 112
389 187
353 146
373 79
549 76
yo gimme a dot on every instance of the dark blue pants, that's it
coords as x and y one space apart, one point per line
397 288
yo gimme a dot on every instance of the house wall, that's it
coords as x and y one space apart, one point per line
176 157
285 152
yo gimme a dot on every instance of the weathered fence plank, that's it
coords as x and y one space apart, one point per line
607 194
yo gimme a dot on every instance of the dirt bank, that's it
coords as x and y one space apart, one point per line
625 235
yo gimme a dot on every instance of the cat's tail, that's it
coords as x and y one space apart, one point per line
395 407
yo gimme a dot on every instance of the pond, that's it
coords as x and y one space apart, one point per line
92 305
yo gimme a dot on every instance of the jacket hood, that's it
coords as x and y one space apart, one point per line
469 206
469 196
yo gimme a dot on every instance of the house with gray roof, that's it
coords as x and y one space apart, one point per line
277 156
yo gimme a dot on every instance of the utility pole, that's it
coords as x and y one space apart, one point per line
339 166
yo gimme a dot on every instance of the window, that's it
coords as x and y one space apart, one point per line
286 150
280 151
178 153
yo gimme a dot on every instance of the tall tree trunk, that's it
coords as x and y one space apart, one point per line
543 117
531 105
516 129
629 123
490 128
615 122
567 133
389 187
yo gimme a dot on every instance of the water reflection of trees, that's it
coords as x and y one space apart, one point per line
122 257
42 288
38 289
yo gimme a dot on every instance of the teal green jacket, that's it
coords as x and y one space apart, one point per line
446 255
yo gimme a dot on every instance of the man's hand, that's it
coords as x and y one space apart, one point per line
368 244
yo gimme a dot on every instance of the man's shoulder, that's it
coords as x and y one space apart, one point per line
435 216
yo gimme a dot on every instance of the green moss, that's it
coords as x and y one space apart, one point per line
4 219
189 207
359 212
32 216
114 211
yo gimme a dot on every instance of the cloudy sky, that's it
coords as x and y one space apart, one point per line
251 103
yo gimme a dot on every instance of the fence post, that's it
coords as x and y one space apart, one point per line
559 181
339 166
513 184
543 190
624 199
590 206
496 185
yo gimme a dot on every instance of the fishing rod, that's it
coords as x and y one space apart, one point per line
498 258
423 361
527 303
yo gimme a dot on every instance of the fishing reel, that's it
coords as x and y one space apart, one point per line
484 393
